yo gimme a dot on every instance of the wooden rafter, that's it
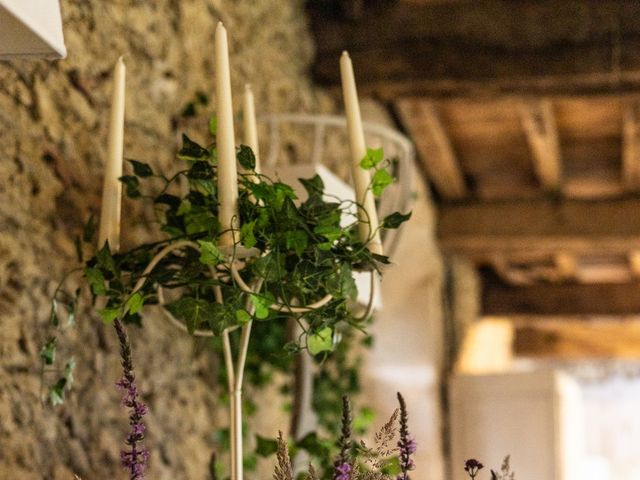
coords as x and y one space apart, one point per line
631 147
634 263
527 229
434 147
539 124
566 265
411 48
577 337
499 298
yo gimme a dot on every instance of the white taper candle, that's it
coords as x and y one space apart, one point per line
227 170
250 124
112 188
367 215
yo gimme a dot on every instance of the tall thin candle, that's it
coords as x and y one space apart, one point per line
367 215
227 171
112 188
250 125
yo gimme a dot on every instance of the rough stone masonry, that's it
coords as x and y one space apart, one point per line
53 127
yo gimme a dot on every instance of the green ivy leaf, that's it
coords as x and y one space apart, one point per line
184 207
53 316
265 447
89 229
200 170
141 169
242 317
372 158
383 259
96 280
132 185
246 158
247 236
210 254
282 192
342 284
207 187
71 315
109 315
213 126
261 303
314 186
315 446
395 219
330 232
167 199
195 312
381 180
105 261
48 351
56 394
69 368
134 303
191 151
320 341
298 240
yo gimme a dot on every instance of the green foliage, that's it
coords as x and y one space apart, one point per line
320 341
372 158
64 383
48 351
380 181
301 254
395 220
141 169
210 253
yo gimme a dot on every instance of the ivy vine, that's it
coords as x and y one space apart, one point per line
298 251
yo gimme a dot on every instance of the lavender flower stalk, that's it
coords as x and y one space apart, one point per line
342 465
136 457
406 445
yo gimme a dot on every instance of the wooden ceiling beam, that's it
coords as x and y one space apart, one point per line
566 265
406 48
577 337
498 298
634 263
631 147
519 229
539 123
434 147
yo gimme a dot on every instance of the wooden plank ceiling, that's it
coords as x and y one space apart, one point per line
526 119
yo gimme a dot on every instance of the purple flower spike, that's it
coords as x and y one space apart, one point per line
407 446
343 472
136 457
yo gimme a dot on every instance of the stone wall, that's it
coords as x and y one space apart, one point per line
53 127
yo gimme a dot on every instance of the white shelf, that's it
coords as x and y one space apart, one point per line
31 28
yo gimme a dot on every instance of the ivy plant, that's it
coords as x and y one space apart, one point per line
294 252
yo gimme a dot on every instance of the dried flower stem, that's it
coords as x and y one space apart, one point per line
284 470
